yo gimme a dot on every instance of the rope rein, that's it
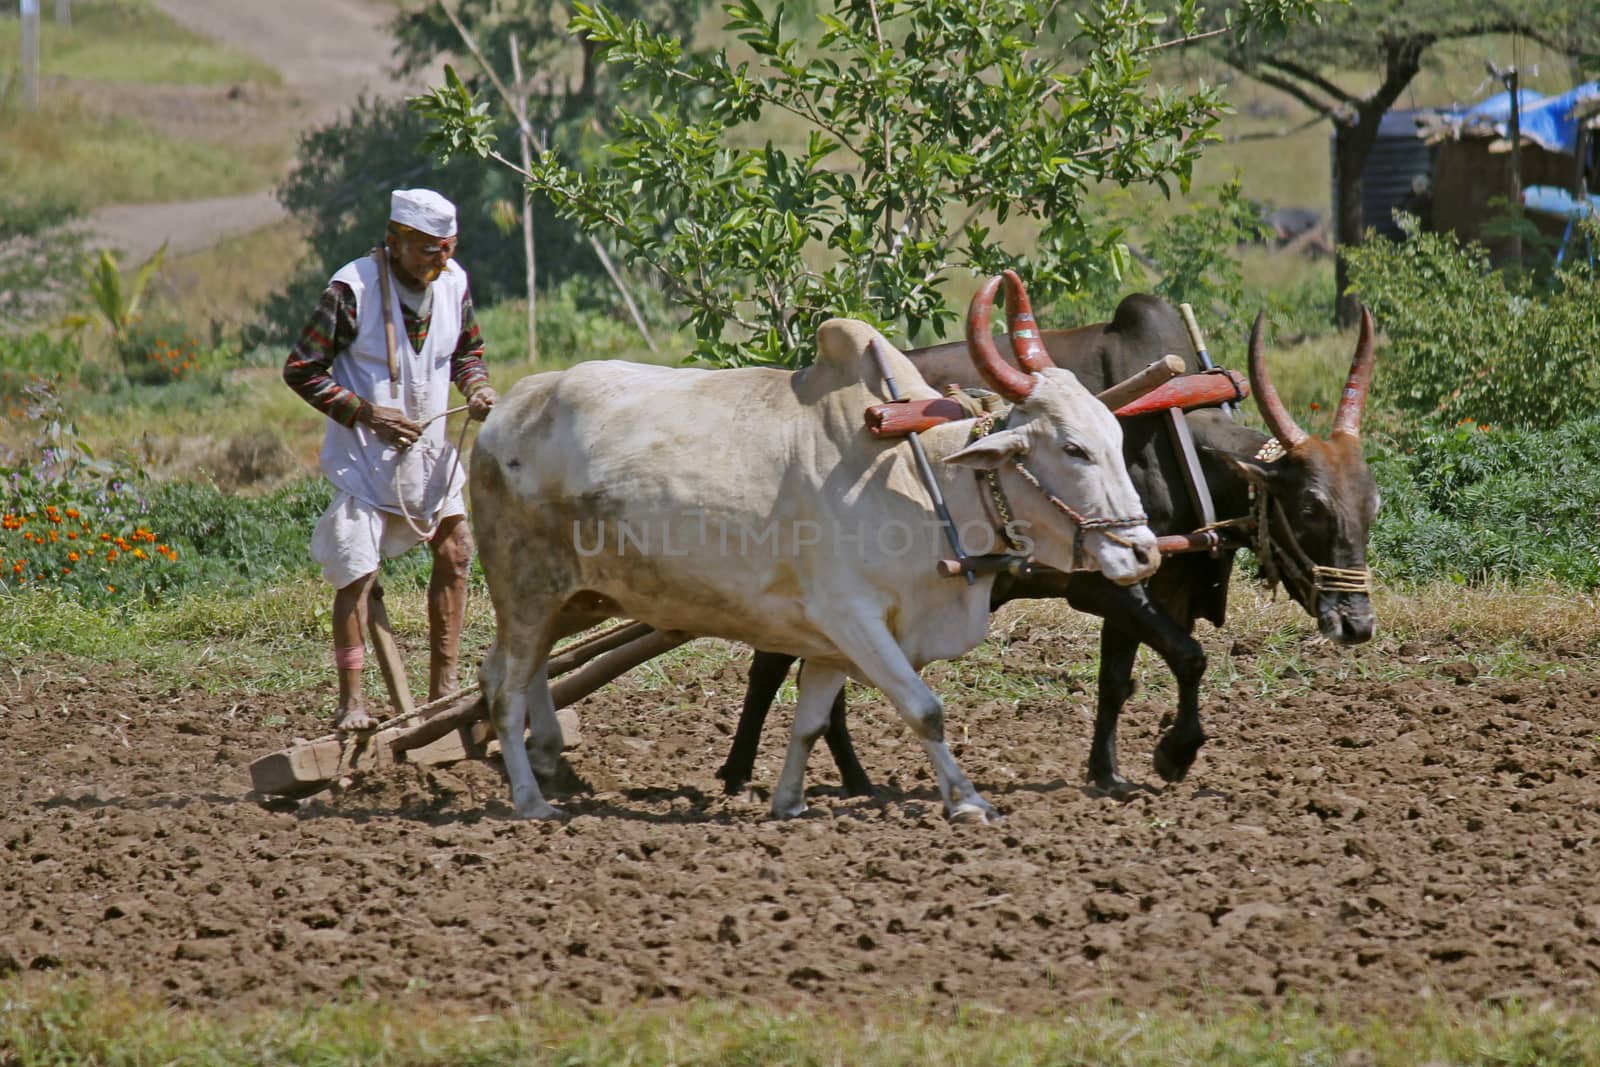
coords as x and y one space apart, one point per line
461 440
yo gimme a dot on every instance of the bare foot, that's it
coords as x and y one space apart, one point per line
354 719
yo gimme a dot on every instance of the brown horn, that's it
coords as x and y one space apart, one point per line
1277 417
1347 419
1025 339
1008 381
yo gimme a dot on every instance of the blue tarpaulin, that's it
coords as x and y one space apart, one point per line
1547 121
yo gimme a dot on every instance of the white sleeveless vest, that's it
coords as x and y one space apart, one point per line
354 459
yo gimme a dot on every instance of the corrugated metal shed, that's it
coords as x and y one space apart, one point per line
1397 157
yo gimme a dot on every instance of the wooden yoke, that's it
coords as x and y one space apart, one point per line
901 417
1203 390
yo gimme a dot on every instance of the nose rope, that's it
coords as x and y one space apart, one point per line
1105 525
982 428
1272 557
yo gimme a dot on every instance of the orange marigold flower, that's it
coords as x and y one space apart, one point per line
53 537
111 589
66 570
1484 427
72 535
72 513
72 557
111 556
138 553
105 537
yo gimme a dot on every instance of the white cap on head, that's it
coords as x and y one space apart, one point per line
423 210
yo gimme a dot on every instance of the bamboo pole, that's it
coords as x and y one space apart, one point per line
30 53
527 201
519 113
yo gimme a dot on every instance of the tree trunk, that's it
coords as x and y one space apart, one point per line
1352 144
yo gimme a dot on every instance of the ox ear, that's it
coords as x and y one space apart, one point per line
1259 472
987 453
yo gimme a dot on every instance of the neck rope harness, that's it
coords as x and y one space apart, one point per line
1281 557
1008 527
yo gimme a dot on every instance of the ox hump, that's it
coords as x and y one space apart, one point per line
844 358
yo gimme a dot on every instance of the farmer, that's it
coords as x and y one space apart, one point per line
397 479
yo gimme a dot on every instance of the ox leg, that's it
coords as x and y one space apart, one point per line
1178 747
851 774
881 661
1133 619
818 686
1115 685
512 683
767 672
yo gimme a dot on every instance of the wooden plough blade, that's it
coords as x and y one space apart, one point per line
457 727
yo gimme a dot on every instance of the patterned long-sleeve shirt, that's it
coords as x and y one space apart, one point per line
332 329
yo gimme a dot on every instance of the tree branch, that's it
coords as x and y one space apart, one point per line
1310 77
1179 42
1316 103
1269 135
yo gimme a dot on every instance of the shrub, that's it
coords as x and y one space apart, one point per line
155 353
1473 502
88 540
29 360
1466 342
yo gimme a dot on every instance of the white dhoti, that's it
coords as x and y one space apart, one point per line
353 537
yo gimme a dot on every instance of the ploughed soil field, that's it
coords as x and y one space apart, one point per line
1358 841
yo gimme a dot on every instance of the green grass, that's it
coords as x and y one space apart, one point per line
131 41
55 1023
65 152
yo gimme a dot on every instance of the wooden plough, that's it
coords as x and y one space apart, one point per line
455 727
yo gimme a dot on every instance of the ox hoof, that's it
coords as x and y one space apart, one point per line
976 812
542 812
1173 758
788 811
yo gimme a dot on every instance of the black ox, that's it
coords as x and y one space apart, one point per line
1304 504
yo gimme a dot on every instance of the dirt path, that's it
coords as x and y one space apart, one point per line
331 52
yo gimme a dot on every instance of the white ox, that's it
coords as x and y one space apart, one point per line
752 505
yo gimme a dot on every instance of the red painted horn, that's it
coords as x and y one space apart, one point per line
1008 381
1025 339
1347 419
1273 412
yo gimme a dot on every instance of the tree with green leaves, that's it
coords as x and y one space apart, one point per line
566 80
859 172
378 145
1321 66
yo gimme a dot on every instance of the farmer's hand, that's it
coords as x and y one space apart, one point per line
391 425
481 402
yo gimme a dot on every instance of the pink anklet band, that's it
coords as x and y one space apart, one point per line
350 659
